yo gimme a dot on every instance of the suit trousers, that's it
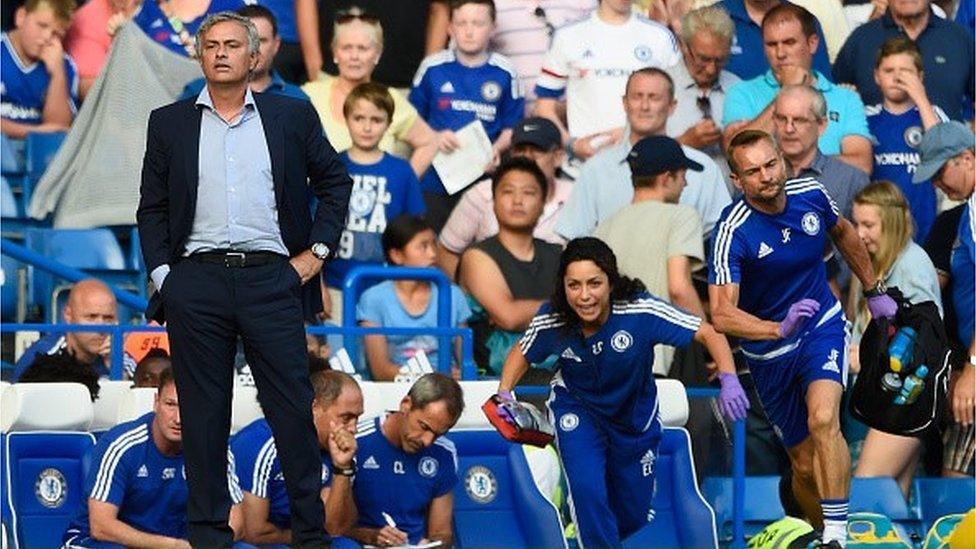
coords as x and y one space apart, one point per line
208 306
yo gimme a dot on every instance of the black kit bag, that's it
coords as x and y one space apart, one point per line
876 407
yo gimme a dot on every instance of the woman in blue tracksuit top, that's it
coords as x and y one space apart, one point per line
603 327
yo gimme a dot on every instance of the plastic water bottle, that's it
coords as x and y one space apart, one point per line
913 386
901 349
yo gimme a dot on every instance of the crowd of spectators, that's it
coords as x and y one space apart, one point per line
576 99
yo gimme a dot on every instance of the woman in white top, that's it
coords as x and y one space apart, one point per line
884 223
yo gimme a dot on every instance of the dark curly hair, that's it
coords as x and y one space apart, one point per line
595 250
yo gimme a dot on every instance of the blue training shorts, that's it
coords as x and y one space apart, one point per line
782 382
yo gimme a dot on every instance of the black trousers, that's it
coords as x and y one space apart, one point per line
207 307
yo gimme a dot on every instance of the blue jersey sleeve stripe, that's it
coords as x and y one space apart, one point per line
723 242
448 445
439 58
667 313
262 469
233 484
113 455
666 307
801 186
539 323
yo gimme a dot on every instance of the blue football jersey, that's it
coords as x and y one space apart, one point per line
777 260
23 86
389 480
259 470
897 137
449 96
380 192
149 488
611 372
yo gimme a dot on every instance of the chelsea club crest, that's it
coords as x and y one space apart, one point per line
50 488
810 223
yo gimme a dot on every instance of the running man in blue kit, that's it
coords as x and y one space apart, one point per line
603 327
768 286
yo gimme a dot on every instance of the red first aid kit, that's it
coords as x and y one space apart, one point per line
520 422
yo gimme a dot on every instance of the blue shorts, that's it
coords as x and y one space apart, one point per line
610 472
782 381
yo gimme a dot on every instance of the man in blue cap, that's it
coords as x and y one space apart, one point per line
947 158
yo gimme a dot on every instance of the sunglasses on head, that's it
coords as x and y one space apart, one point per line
344 16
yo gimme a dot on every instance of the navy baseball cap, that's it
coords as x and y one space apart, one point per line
537 131
939 144
658 154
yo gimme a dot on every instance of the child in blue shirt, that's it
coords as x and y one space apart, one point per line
897 125
384 186
466 83
38 81
410 242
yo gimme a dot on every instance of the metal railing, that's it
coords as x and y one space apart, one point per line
356 278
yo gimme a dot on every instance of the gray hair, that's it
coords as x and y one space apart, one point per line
373 26
435 387
253 40
709 19
818 104
328 385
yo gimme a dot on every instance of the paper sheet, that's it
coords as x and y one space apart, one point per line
465 165
428 545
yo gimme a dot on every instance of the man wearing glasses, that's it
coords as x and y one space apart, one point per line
799 119
700 82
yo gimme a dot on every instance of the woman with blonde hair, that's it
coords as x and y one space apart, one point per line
884 223
357 44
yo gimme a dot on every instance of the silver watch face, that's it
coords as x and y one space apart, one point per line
320 250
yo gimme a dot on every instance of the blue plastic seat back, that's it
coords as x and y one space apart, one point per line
496 502
8 288
40 151
762 504
682 517
86 249
8 202
943 496
43 481
879 495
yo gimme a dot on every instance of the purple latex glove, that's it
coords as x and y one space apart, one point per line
882 306
503 412
799 312
732 400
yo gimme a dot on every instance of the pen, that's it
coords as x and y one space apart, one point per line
389 520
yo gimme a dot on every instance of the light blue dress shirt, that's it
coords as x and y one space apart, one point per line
604 187
235 207
845 111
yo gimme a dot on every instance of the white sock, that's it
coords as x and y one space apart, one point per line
835 530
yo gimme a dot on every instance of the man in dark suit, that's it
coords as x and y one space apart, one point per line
230 244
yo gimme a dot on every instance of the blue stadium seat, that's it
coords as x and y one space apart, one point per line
943 496
46 455
9 268
762 505
39 151
95 251
43 481
496 503
8 202
882 495
682 517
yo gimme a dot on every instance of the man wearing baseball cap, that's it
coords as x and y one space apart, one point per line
671 245
473 219
948 159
